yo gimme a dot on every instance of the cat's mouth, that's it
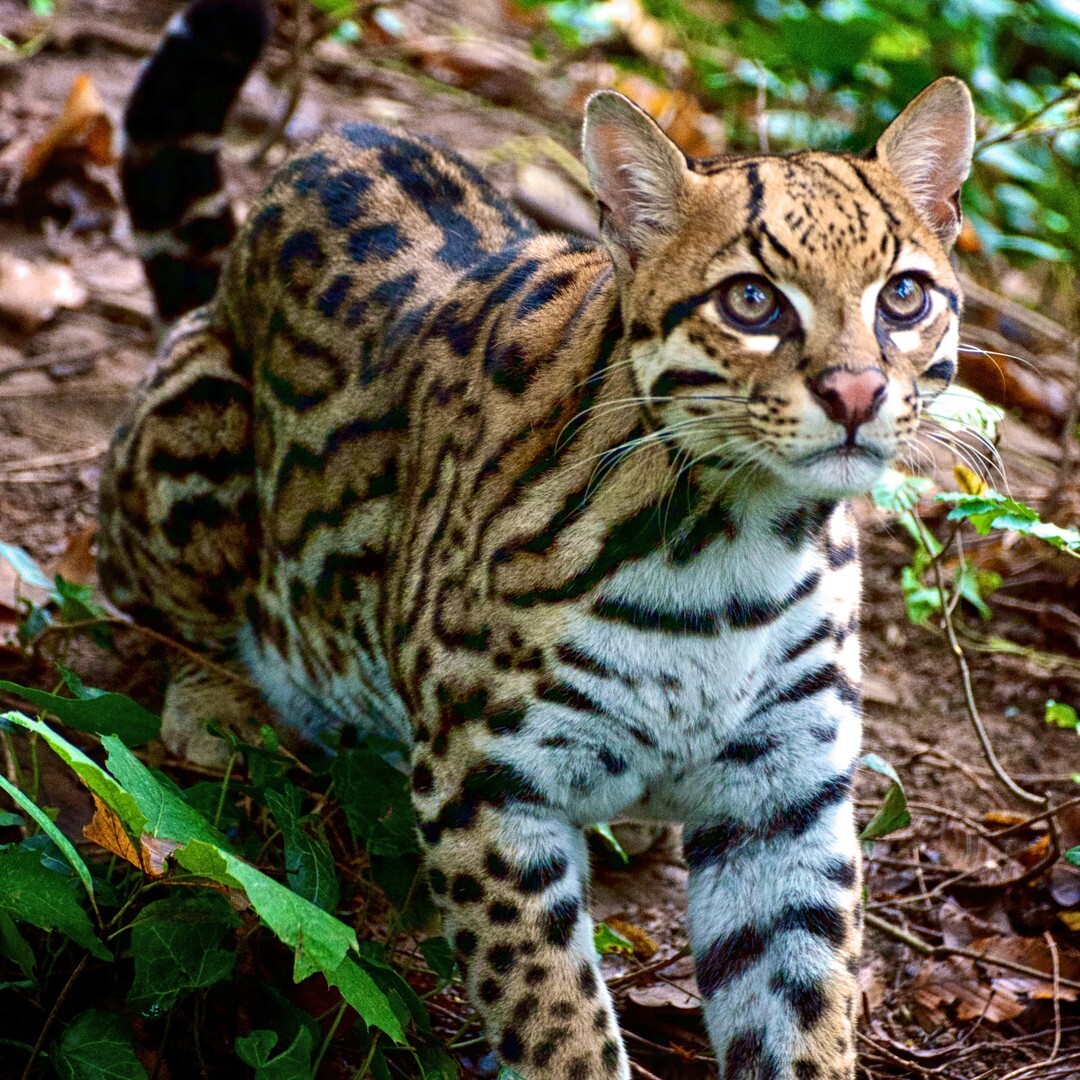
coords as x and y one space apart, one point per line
842 470
845 452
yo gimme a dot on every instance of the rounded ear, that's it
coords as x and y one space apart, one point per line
928 147
637 174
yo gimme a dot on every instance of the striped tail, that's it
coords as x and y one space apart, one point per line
171 176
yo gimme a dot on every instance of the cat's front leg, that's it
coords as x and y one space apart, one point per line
775 915
510 874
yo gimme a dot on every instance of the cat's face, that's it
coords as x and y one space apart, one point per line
793 314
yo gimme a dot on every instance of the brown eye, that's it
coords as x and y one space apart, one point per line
750 302
904 299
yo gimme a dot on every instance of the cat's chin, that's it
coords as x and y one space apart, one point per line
840 474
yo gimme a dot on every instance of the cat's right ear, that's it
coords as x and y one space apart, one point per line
637 173
929 148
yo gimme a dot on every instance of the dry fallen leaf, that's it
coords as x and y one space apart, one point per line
154 853
495 70
77 562
1003 818
871 979
644 946
1071 919
107 830
83 123
971 990
953 984
1065 885
675 988
31 293
987 865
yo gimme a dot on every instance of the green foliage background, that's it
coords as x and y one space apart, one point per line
835 72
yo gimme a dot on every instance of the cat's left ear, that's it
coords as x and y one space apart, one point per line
928 147
637 174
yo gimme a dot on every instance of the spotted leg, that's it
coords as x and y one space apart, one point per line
775 920
510 874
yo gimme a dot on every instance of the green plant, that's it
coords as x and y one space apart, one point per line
196 883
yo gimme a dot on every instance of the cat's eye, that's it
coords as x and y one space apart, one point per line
749 301
904 299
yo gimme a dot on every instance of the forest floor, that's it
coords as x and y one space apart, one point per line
945 880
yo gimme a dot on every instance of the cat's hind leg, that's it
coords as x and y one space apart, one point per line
178 527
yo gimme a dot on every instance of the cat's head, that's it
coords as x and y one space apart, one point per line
797 313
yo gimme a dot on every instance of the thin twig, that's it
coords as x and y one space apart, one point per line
969 693
124 623
1024 127
1051 944
1028 822
935 952
52 461
53 1013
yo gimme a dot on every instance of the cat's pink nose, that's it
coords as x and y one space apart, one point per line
850 398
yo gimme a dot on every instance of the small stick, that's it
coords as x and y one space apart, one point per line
1051 944
912 941
969 693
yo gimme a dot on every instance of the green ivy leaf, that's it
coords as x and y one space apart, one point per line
319 941
76 604
97 1045
894 812
439 956
309 864
361 991
606 940
30 892
91 774
255 1049
101 712
920 601
407 1005
1061 715
1073 856
992 510
603 830
896 492
175 943
959 409
48 826
375 798
24 566
167 816
14 946
292 1063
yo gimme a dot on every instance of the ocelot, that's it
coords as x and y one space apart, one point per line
568 518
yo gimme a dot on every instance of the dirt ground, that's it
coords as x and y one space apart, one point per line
63 386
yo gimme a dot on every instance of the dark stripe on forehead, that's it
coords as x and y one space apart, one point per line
757 191
815 159
778 247
857 169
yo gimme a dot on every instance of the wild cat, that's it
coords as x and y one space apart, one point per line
568 518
